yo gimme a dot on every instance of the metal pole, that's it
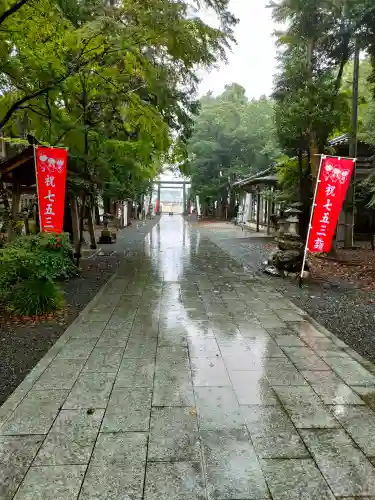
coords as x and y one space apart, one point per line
310 222
349 231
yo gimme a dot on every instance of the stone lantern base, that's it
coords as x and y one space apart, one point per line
288 257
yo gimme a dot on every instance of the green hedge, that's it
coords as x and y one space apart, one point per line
29 269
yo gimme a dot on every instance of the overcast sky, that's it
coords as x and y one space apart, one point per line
252 62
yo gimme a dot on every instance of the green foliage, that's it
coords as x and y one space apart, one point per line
29 267
35 297
289 174
232 138
51 255
112 81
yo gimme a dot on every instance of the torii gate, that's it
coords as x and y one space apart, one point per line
174 185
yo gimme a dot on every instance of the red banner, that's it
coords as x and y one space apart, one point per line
51 167
333 182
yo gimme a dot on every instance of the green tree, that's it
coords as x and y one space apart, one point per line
114 82
232 138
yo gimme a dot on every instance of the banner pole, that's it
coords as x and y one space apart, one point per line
37 189
310 222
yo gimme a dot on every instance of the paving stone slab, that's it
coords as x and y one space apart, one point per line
77 349
218 408
113 482
295 480
272 432
209 372
174 481
88 330
203 348
136 372
176 393
359 422
345 468
35 414
331 389
278 372
305 358
352 372
71 438
16 456
54 482
120 449
250 389
174 435
113 338
140 349
128 410
305 408
60 374
231 466
92 390
104 360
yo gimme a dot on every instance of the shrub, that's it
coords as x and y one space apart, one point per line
53 254
35 296
29 267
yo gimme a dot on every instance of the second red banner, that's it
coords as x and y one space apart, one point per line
333 182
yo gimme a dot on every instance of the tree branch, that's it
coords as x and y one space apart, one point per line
18 104
12 10
345 54
34 111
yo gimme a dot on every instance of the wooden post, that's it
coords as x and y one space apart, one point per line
269 204
15 208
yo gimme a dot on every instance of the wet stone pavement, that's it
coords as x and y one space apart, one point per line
189 379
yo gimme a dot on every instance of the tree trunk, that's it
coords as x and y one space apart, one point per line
7 209
16 197
97 214
90 222
81 220
85 152
305 194
75 220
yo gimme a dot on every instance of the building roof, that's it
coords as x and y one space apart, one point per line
340 140
19 167
267 176
344 140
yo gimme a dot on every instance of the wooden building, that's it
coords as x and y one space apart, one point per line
257 203
17 176
365 166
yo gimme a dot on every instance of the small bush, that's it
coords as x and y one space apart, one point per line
53 254
35 296
29 267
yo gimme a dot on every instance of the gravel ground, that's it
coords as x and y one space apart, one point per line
23 345
344 310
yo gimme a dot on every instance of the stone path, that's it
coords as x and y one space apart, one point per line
188 379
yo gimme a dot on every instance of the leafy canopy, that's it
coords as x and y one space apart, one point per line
115 82
232 138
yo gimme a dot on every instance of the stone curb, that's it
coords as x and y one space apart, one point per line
24 387
21 391
354 354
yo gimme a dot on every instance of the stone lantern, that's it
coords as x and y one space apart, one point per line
289 255
106 235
